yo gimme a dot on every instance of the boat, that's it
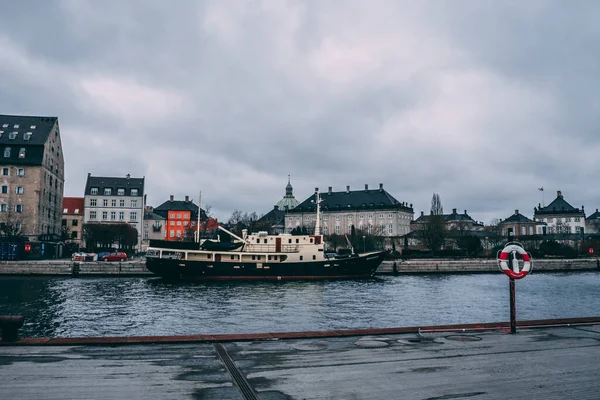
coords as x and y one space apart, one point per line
259 256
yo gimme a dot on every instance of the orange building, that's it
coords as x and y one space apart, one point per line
182 219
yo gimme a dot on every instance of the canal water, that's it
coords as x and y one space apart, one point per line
71 307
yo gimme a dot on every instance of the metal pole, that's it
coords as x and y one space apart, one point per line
513 306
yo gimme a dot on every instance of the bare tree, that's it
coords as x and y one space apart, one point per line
432 231
11 223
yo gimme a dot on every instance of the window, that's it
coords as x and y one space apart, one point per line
380 215
185 223
94 191
27 136
113 203
349 229
113 215
73 235
337 217
577 219
16 126
567 219
74 222
171 215
172 223
178 233
7 152
12 135
104 214
325 230
325 218
121 215
121 203
178 215
4 171
301 258
172 233
21 172
5 125
121 192
349 217
4 188
134 204
390 215
22 152
107 191
105 202
19 189
133 216
391 228
65 210
93 202
32 127
19 208
178 223
3 208
92 214
77 211
337 229
134 192
370 229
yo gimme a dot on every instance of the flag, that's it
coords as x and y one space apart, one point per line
541 189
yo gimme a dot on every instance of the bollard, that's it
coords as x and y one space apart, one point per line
10 324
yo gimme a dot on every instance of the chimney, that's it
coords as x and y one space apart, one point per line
558 193
330 188
366 187
465 212
187 199
348 189
316 189
171 198
422 213
454 211
380 187
516 212
128 176
276 207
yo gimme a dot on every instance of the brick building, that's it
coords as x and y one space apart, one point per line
72 220
32 175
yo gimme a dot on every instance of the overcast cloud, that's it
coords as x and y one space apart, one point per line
480 101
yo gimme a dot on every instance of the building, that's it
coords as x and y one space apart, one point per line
72 220
453 222
560 217
275 219
32 180
519 225
115 200
592 223
154 227
180 216
373 211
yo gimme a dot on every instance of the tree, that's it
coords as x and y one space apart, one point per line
107 236
65 233
11 223
432 231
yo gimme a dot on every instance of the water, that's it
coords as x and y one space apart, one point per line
70 307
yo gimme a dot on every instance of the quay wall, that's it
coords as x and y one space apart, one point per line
421 266
427 266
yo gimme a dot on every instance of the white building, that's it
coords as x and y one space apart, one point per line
115 200
374 211
560 217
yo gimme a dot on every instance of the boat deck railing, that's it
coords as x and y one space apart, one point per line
271 248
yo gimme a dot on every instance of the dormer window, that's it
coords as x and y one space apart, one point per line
107 191
32 127
22 152
7 152
65 210
77 211
27 136
94 190
16 126
134 192
121 192
12 135
1 132
5 125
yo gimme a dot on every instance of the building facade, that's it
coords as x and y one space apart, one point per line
180 216
154 227
460 222
560 217
592 223
32 175
72 220
115 200
373 211
519 225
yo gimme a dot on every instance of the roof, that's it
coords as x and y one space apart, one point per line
453 217
518 218
558 206
153 216
595 215
40 128
275 216
179 205
18 127
353 200
114 183
73 205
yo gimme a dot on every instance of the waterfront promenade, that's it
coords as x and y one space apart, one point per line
551 361
412 266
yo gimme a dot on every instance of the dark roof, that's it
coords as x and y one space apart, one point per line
452 217
595 215
39 127
70 204
558 206
179 205
113 183
39 134
275 217
353 200
152 216
518 218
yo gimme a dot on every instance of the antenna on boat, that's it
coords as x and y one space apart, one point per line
318 222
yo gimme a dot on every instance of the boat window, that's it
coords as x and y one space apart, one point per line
311 240
257 240
289 240
269 258
265 240
314 257
254 257
301 257
274 257
208 256
297 240
258 258
232 257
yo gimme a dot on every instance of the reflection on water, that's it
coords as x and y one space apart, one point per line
56 307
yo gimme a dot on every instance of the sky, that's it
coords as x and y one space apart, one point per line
482 102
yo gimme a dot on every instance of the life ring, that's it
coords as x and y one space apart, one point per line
514 272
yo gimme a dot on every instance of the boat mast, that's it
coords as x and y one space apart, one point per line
318 222
199 212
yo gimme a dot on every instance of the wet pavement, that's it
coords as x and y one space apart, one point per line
541 363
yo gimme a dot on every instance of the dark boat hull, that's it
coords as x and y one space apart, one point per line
363 266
